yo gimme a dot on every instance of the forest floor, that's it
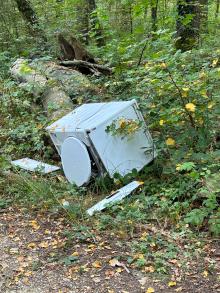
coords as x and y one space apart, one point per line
37 257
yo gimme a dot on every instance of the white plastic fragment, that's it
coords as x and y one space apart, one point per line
115 197
33 165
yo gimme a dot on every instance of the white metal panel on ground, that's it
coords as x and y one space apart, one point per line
33 165
76 161
115 197
122 154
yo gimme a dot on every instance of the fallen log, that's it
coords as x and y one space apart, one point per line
58 87
85 66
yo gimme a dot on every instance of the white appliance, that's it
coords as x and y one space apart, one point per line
86 147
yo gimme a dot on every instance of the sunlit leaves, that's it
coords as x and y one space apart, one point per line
190 107
170 141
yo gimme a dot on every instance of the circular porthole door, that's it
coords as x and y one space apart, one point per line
75 161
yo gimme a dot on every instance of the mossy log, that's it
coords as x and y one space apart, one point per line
58 87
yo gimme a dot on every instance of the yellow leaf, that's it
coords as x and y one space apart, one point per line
163 65
122 123
178 166
139 256
170 141
214 62
161 122
34 224
16 279
114 262
143 236
185 92
80 100
172 284
190 107
47 232
150 290
96 264
202 74
204 93
91 246
43 244
75 253
28 273
210 105
26 280
31 245
149 269
205 274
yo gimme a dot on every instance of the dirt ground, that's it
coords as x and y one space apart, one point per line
35 257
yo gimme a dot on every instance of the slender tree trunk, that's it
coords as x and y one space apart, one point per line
204 15
154 7
217 8
30 17
95 23
131 19
83 21
188 24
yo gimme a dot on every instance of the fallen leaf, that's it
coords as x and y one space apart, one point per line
149 269
114 262
34 225
150 290
26 280
143 281
43 244
28 273
96 264
31 245
109 273
205 274
179 289
173 261
172 284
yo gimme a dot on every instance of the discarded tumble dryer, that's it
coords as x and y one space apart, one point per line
102 137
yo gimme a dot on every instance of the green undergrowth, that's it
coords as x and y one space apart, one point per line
178 94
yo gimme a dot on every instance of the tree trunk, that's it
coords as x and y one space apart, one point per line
30 17
83 21
204 15
154 6
95 23
188 24
217 8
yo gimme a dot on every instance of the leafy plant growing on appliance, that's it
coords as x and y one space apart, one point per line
124 127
